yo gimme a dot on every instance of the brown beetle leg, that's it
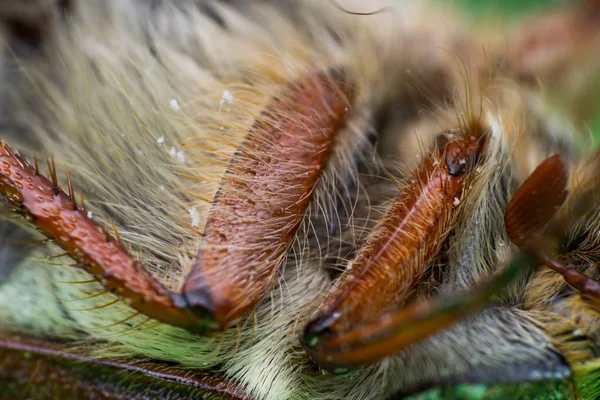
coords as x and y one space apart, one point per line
530 210
263 198
402 246
395 331
588 287
254 218
56 214
536 202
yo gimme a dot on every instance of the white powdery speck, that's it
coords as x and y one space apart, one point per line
173 152
227 98
175 105
195 217
456 201
90 215
160 140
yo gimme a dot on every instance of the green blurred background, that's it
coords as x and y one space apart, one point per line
508 7
511 9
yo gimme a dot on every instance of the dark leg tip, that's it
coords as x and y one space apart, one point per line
199 302
315 329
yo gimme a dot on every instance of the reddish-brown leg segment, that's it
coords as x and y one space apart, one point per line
257 210
30 369
263 198
530 210
536 202
394 331
402 246
55 214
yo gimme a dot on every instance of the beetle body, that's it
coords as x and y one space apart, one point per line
246 154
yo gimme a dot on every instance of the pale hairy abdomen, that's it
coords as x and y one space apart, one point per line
146 105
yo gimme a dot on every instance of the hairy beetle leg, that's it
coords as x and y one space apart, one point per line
533 206
395 331
254 217
264 196
55 214
398 252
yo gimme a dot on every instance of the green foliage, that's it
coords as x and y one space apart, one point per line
507 8
587 381
585 385
551 390
594 123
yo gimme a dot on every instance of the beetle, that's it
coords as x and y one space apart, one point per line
288 200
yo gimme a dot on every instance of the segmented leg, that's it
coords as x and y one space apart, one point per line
56 214
402 246
395 331
530 210
394 258
532 207
263 198
254 218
